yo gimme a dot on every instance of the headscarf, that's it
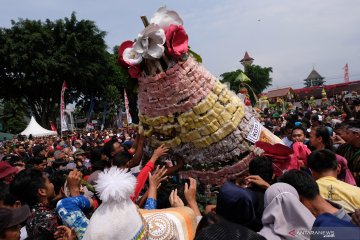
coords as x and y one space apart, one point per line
240 205
345 174
284 214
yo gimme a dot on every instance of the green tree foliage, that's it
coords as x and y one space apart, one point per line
36 57
260 78
12 115
111 95
230 77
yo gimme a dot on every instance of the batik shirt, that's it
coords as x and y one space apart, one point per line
71 214
150 204
42 220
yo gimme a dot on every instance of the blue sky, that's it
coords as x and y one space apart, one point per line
290 36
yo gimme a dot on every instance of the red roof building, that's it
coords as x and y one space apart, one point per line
307 92
331 90
287 93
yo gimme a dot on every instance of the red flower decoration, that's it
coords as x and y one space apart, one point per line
122 47
176 40
134 71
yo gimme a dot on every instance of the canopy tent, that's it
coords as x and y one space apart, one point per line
36 130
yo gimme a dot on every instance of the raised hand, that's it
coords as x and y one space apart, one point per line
257 180
160 151
190 195
64 233
175 200
73 182
190 191
156 179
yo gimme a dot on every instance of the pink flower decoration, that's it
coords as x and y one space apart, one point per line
176 40
122 47
134 71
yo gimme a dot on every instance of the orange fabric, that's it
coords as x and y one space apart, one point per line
184 218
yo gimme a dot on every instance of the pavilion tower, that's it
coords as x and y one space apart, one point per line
314 79
247 60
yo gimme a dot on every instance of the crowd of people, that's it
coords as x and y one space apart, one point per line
100 185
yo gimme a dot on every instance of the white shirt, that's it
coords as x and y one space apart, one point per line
287 142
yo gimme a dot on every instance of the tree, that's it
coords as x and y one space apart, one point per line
113 94
230 77
12 115
260 78
36 57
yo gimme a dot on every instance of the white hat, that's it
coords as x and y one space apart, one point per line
117 217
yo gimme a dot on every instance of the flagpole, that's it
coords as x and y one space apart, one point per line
62 109
128 116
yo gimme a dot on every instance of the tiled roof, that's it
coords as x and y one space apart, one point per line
314 75
246 57
278 92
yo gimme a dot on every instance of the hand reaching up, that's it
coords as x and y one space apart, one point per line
73 182
175 200
160 151
190 195
190 191
155 180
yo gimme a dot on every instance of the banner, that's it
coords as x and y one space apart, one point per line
128 116
346 74
255 132
62 109
120 125
52 126
104 116
91 110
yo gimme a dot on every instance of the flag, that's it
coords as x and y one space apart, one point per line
52 126
91 110
128 116
120 125
104 116
62 108
346 74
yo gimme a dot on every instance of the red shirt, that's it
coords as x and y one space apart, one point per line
141 179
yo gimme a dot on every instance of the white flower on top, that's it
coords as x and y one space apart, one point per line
150 42
132 57
164 18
